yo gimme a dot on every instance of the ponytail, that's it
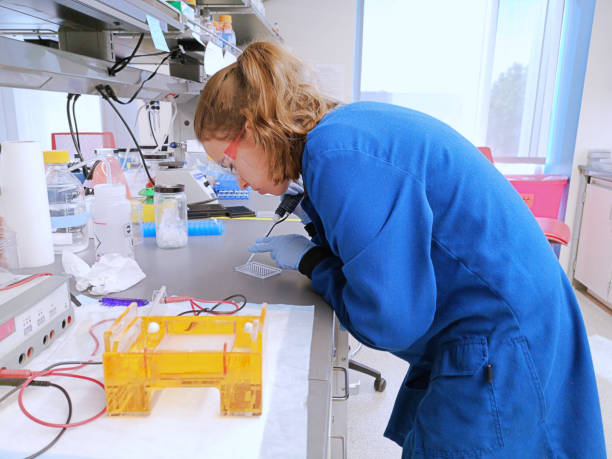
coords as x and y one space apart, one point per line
272 89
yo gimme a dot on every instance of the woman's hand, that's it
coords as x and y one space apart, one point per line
286 250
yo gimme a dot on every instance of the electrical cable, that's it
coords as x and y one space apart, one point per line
142 158
51 424
159 53
111 94
74 118
24 281
18 382
74 141
48 371
21 383
57 364
151 128
166 133
71 362
165 144
211 310
61 432
129 147
122 63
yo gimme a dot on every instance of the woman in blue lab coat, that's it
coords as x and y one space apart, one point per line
422 249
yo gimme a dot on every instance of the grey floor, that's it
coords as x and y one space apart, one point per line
368 411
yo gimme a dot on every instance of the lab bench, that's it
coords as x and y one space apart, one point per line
205 269
591 254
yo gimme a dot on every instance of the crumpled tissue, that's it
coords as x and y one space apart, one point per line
111 273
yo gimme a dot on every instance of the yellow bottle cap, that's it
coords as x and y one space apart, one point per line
225 18
56 156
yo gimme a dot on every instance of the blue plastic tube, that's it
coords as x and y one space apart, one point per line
194 228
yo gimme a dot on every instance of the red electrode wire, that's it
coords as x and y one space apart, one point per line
50 424
60 372
24 281
91 333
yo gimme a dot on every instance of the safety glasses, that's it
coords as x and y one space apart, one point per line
227 163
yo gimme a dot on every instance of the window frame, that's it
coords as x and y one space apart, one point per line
538 104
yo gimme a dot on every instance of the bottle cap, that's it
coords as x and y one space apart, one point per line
169 188
56 156
225 18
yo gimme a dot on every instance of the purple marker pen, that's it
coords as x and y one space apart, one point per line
108 301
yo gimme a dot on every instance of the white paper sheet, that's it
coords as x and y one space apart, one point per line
183 422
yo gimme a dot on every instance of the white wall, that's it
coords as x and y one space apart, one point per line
595 123
322 33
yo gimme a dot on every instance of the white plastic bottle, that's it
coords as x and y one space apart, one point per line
66 204
227 32
112 221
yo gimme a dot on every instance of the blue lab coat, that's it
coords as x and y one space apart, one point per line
434 256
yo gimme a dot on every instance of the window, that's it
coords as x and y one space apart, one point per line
486 67
33 114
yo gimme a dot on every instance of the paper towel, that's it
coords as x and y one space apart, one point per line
23 191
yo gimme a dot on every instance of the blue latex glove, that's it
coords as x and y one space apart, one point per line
287 250
297 188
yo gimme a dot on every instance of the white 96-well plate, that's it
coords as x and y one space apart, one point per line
259 270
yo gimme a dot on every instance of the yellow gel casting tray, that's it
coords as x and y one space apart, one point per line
146 353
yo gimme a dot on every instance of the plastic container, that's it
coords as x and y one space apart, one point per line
227 32
112 218
542 193
128 159
194 228
66 204
8 247
170 216
89 200
136 218
108 169
209 24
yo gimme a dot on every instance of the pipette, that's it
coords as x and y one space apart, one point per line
286 207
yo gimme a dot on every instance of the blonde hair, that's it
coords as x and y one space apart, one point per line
269 87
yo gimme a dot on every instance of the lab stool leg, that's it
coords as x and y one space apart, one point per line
379 382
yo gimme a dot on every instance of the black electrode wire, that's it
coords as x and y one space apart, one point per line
61 432
105 96
71 362
74 118
57 364
74 141
121 64
212 309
